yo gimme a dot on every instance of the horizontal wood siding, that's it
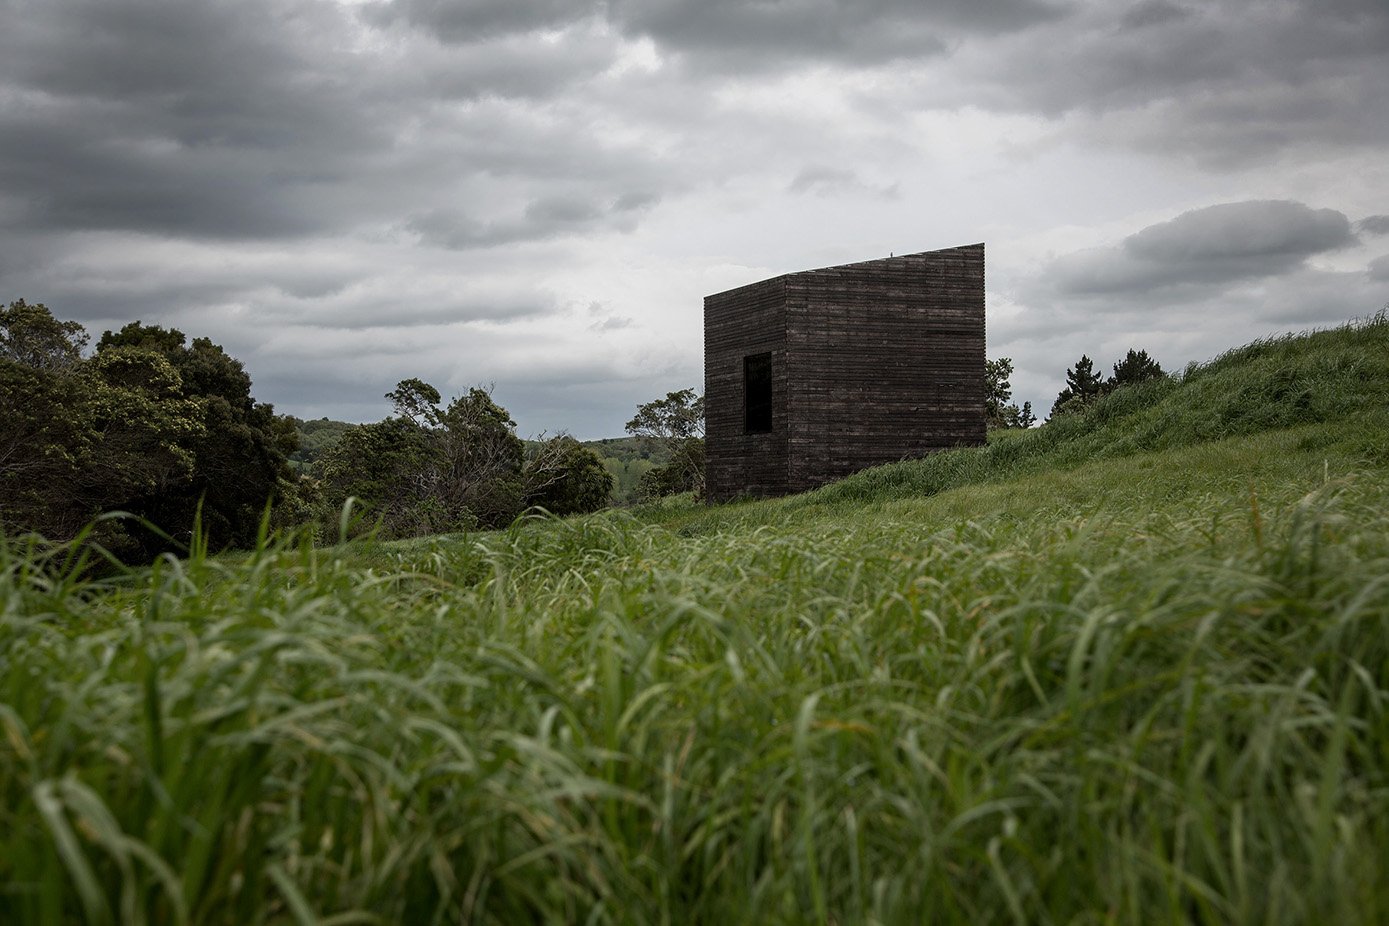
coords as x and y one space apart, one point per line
872 363
887 362
738 323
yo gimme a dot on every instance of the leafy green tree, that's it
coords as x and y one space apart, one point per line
997 391
315 439
481 459
81 437
30 336
564 477
998 412
429 470
676 425
684 473
375 464
240 454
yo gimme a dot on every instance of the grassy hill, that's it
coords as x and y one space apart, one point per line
1130 667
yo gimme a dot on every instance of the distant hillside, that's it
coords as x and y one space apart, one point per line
315 439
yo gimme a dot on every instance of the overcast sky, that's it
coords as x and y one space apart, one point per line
538 194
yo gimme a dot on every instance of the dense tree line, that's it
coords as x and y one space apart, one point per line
148 425
167 431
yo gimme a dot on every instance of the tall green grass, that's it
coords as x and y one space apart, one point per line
1126 686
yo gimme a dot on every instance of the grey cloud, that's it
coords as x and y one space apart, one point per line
1153 13
1379 269
1214 246
821 180
1226 82
734 35
473 20
755 36
219 119
244 119
550 216
1374 225
368 313
1276 229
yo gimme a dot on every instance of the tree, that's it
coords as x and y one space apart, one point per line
564 477
480 460
1136 367
1083 385
375 464
998 412
240 453
676 424
997 391
79 437
32 337
428 470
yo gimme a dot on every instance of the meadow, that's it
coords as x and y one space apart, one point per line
1128 667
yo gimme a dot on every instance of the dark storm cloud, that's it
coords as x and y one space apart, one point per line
472 20
547 217
209 118
252 119
736 35
856 30
1214 246
1225 82
1373 225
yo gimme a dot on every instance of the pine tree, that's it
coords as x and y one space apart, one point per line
1083 384
1134 368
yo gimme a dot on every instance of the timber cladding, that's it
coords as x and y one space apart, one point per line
864 364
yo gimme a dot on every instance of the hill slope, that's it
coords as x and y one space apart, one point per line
1132 668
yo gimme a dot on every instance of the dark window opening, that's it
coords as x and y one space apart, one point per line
757 392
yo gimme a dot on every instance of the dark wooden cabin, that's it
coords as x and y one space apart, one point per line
811 376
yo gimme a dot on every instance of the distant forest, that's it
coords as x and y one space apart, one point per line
153 442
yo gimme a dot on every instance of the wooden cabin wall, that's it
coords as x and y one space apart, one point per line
872 362
738 323
886 362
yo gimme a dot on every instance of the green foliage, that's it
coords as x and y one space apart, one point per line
628 459
564 477
316 438
675 424
31 337
997 391
239 451
144 426
1136 367
1059 679
431 470
683 473
1084 385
